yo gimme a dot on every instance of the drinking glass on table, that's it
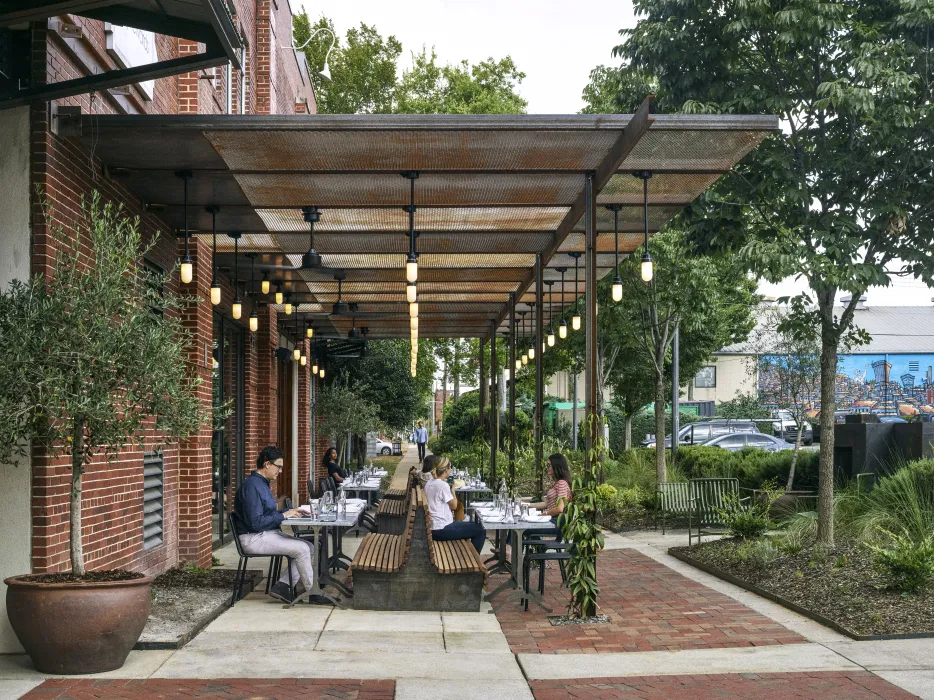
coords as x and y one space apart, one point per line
524 510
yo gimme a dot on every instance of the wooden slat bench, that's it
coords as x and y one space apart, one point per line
390 515
398 572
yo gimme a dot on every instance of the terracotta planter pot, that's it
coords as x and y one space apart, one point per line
69 628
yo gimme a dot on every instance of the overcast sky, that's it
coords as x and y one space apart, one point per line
555 42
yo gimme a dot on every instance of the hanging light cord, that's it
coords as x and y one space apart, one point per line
251 293
616 235
186 217
576 282
213 240
311 234
237 266
645 205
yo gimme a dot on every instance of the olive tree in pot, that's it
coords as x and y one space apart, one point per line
92 360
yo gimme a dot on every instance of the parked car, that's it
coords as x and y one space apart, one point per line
696 433
784 426
892 419
383 447
737 441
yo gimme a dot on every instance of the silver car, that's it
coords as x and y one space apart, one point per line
737 441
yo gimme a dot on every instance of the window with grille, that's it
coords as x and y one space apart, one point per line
153 482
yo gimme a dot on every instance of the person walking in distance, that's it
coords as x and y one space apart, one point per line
421 439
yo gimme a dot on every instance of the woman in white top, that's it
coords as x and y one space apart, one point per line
442 502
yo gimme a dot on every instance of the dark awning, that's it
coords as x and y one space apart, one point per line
205 21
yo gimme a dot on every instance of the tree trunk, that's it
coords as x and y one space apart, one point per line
77 469
457 369
660 471
828 377
794 457
627 439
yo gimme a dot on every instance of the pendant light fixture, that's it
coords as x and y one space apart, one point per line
340 306
531 351
413 323
647 266
303 359
311 259
264 285
617 282
237 309
411 262
215 285
321 372
254 319
288 305
310 331
296 353
524 359
411 292
186 268
576 318
506 373
551 333
314 365
413 310
563 326
279 295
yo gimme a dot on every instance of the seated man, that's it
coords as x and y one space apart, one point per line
258 519
441 506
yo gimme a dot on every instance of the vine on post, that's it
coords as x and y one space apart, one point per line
580 527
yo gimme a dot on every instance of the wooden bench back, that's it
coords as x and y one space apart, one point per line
416 501
708 496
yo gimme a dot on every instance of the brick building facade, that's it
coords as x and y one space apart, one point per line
47 171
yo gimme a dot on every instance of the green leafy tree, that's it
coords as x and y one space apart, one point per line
383 377
343 409
843 196
489 87
94 354
363 67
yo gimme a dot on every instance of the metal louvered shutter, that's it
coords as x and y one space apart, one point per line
153 480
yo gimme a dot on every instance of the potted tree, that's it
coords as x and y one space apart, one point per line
92 360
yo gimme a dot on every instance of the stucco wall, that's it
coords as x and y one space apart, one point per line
14 264
733 379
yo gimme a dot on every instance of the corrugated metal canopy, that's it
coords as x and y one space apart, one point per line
493 193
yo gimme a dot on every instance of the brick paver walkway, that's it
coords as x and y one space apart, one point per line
229 689
651 608
850 685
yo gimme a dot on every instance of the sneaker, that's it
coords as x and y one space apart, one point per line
281 592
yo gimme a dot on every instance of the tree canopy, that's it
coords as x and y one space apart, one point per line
365 78
844 195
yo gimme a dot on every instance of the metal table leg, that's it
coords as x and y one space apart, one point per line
518 593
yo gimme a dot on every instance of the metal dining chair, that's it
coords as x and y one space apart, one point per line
275 564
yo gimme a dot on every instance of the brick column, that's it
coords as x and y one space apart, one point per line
189 84
195 462
262 71
267 377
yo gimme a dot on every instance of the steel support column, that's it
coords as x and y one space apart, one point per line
512 388
590 351
484 390
494 408
539 375
675 398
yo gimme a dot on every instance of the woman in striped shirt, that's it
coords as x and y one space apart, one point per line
560 492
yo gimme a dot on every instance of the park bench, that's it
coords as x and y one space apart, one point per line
674 498
708 499
700 500
399 572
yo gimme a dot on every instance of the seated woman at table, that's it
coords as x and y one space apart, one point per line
329 462
560 492
442 502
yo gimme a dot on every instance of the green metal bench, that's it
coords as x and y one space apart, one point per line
674 498
708 497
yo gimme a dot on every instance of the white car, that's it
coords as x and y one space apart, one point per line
784 427
383 447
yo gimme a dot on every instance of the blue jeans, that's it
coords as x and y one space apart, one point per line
462 530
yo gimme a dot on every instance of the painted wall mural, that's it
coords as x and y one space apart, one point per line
889 384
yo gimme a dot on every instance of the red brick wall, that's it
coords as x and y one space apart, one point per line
113 490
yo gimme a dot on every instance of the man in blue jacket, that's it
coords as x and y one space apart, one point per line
258 518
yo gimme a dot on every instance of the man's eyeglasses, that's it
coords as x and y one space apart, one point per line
277 465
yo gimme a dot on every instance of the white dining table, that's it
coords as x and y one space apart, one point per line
493 520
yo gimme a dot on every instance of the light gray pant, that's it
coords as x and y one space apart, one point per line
273 542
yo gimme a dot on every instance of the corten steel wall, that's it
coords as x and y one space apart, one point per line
64 172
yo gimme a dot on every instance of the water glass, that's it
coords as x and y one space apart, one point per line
524 510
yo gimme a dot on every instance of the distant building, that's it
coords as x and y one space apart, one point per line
902 346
